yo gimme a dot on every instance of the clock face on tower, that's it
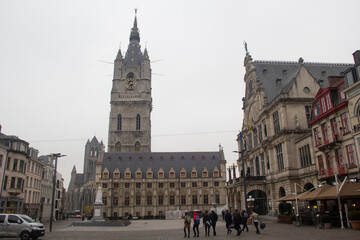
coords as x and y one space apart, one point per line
130 83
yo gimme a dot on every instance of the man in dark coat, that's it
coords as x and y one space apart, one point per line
214 218
228 220
207 223
237 221
244 217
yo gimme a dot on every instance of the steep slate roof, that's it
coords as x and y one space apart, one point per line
94 141
269 71
210 160
79 180
133 54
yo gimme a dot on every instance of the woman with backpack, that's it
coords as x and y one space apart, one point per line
196 224
187 221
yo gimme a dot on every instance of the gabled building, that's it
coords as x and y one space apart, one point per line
275 141
334 124
14 175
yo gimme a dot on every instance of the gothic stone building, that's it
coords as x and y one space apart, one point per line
276 140
135 180
81 190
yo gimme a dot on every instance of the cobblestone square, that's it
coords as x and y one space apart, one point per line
173 229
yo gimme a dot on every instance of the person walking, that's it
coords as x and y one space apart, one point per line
255 218
187 222
196 225
214 218
244 217
207 223
228 220
237 221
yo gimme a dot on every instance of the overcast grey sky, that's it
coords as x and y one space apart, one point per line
55 93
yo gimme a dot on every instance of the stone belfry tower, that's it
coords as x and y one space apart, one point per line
131 102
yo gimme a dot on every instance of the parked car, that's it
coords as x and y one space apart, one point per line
20 226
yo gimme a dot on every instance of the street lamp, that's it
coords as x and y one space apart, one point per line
56 156
243 175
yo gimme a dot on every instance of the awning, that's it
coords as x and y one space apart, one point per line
290 197
349 190
308 196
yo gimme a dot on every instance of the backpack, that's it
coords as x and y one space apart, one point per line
197 220
188 219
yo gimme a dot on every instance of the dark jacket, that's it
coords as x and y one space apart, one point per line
237 218
206 218
228 217
213 217
244 218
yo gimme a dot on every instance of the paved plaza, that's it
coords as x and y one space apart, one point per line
173 229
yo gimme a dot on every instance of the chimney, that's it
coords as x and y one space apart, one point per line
333 80
356 56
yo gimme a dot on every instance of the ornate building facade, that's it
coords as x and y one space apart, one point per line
276 142
135 180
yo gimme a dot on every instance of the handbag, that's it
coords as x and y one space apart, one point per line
262 226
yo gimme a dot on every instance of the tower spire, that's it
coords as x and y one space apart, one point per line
134 35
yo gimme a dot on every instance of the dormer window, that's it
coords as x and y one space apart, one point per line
105 175
116 175
278 81
216 174
160 174
284 71
182 174
138 175
172 174
128 175
193 174
204 173
149 175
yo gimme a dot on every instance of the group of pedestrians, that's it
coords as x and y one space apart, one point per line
236 219
209 220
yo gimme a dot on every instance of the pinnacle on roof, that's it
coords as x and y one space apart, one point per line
74 169
119 55
134 35
145 55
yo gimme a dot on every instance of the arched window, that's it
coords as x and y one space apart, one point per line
130 75
118 147
119 122
137 146
282 192
138 122
96 152
92 152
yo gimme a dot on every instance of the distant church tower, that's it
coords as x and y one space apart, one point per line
131 102
93 149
